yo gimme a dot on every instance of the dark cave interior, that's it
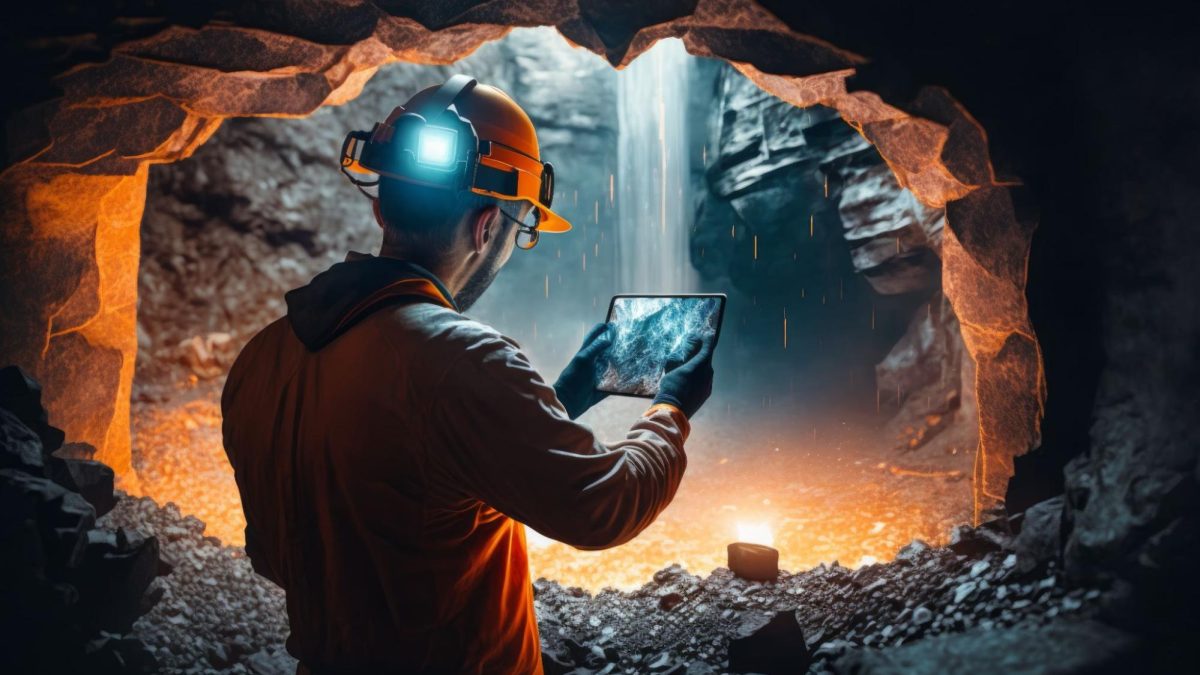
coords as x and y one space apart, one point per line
1082 558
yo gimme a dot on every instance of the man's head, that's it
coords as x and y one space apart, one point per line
463 237
458 165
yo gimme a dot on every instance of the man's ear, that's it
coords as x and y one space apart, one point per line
484 227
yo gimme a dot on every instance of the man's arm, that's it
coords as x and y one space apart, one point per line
508 438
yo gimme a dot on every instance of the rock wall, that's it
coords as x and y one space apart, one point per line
261 207
165 87
1133 497
69 591
802 216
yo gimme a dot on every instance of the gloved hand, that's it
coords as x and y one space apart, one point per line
687 379
576 385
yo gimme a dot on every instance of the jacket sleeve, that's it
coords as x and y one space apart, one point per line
508 439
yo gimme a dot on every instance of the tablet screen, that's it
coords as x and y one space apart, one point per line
646 331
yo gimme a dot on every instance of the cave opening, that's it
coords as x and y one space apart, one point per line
847 418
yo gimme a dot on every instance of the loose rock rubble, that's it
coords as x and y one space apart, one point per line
68 590
214 614
925 592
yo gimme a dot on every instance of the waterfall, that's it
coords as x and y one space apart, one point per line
653 206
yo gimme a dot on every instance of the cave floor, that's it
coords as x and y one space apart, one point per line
839 492
832 491
949 612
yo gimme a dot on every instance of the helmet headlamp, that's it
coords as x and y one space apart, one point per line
433 145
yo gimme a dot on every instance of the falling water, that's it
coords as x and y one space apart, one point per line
653 205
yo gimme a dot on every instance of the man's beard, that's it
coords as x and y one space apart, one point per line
480 280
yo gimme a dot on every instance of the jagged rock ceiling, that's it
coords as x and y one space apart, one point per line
74 184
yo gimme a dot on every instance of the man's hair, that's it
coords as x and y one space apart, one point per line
419 220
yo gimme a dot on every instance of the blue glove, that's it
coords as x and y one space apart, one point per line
576 386
687 379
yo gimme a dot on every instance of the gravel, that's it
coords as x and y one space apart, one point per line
217 616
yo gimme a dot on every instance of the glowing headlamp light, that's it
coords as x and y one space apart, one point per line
435 147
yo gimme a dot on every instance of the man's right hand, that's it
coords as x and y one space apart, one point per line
687 380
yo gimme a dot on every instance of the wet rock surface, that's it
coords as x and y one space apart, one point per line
802 217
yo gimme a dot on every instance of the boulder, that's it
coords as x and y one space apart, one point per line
117 568
91 479
20 448
770 644
1041 538
21 396
63 581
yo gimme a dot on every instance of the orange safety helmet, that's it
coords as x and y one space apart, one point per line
461 136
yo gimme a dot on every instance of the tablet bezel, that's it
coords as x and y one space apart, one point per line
720 321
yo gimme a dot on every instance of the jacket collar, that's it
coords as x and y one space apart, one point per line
347 292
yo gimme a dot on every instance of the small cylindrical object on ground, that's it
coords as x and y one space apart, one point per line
754 561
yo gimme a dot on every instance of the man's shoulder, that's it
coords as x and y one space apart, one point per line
433 326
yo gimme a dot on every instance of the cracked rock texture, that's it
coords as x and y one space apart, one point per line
69 591
108 95
1111 280
801 215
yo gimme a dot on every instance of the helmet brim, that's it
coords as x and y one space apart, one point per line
550 221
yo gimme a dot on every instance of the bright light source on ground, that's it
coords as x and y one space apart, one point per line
436 146
755 533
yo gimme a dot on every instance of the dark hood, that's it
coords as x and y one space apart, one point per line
340 296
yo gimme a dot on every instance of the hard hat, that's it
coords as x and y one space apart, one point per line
459 135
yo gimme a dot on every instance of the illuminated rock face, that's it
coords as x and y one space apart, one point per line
73 188
69 288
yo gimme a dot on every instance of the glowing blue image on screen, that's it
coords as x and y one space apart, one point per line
645 333
435 146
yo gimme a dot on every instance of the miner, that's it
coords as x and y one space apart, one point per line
390 451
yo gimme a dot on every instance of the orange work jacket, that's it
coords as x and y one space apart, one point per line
389 452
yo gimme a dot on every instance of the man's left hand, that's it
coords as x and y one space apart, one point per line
576 386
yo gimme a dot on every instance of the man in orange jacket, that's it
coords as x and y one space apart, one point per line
389 451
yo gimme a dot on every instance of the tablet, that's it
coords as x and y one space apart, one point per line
646 331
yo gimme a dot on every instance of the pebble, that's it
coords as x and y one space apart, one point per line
217 615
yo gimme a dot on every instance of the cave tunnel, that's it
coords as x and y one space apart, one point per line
878 381
813 222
